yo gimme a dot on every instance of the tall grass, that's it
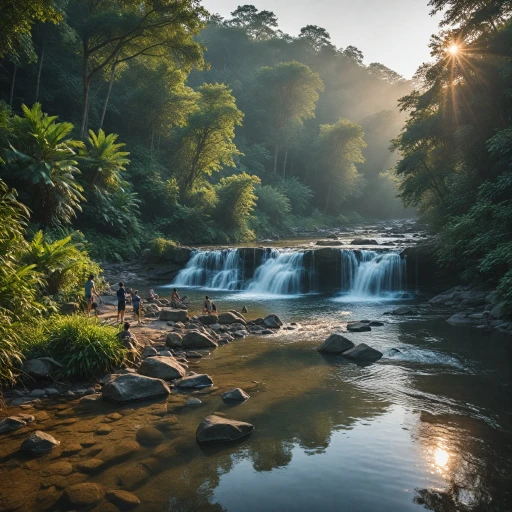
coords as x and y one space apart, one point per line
84 347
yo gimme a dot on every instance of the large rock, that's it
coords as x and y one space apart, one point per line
166 368
498 310
231 318
272 321
123 499
174 340
11 423
362 352
335 344
364 241
37 368
235 396
196 339
125 388
208 319
463 318
38 442
173 315
216 429
195 381
403 310
358 327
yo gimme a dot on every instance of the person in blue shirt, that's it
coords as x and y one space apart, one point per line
121 302
90 291
136 305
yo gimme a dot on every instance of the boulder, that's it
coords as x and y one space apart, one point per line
208 319
244 309
69 308
236 395
364 241
217 429
11 423
130 387
38 442
149 436
174 340
84 495
362 352
358 327
272 321
37 368
375 323
162 367
403 310
230 318
195 381
173 315
463 318
149 352
498 310
335 344
196 339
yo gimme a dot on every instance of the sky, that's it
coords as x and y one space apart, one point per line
395 33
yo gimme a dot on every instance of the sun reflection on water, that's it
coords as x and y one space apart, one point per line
441 458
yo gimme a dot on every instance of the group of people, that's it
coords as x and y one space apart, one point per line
132 296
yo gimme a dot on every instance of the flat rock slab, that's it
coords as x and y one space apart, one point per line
236 395
208 319
84 495
123 499
358 327
335 344
195 381
130 387
217 429
162 367
173 315
362 352
38 442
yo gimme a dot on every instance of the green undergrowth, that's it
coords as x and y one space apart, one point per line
84 347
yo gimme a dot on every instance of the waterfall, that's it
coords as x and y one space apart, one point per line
378 275
216 270
281 273
358 274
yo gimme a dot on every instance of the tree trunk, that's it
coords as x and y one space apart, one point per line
284 164
291 167
108 95
39 70
13 81
327 199
86 84
276 151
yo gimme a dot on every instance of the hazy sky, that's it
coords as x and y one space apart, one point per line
393 32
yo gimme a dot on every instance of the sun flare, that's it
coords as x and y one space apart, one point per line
441 457
453 49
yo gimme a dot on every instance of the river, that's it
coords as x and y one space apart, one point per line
426 427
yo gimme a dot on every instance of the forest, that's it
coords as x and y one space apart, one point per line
136 125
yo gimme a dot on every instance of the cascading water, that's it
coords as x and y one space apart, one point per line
280 274
216 270
378 275
362 274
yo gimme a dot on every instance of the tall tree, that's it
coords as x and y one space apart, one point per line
206 144
318 37
339 149
113 33
260 25
288 93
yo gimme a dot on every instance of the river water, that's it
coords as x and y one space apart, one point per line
428 427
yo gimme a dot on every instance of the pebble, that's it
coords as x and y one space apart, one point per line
193 401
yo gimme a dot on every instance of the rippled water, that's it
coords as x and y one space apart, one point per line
428 427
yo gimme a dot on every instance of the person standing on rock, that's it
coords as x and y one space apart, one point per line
175 299
90 291
136 306
207 305
121 302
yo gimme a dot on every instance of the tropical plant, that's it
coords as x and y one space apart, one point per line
42 158
84 347
272 203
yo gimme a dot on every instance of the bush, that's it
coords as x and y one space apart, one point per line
272 203
161 249
83 346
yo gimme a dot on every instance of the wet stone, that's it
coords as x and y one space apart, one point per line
47 499
103 430
90 466
72 449
123 499
133 477
83 495
39 442
59 468
149 436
